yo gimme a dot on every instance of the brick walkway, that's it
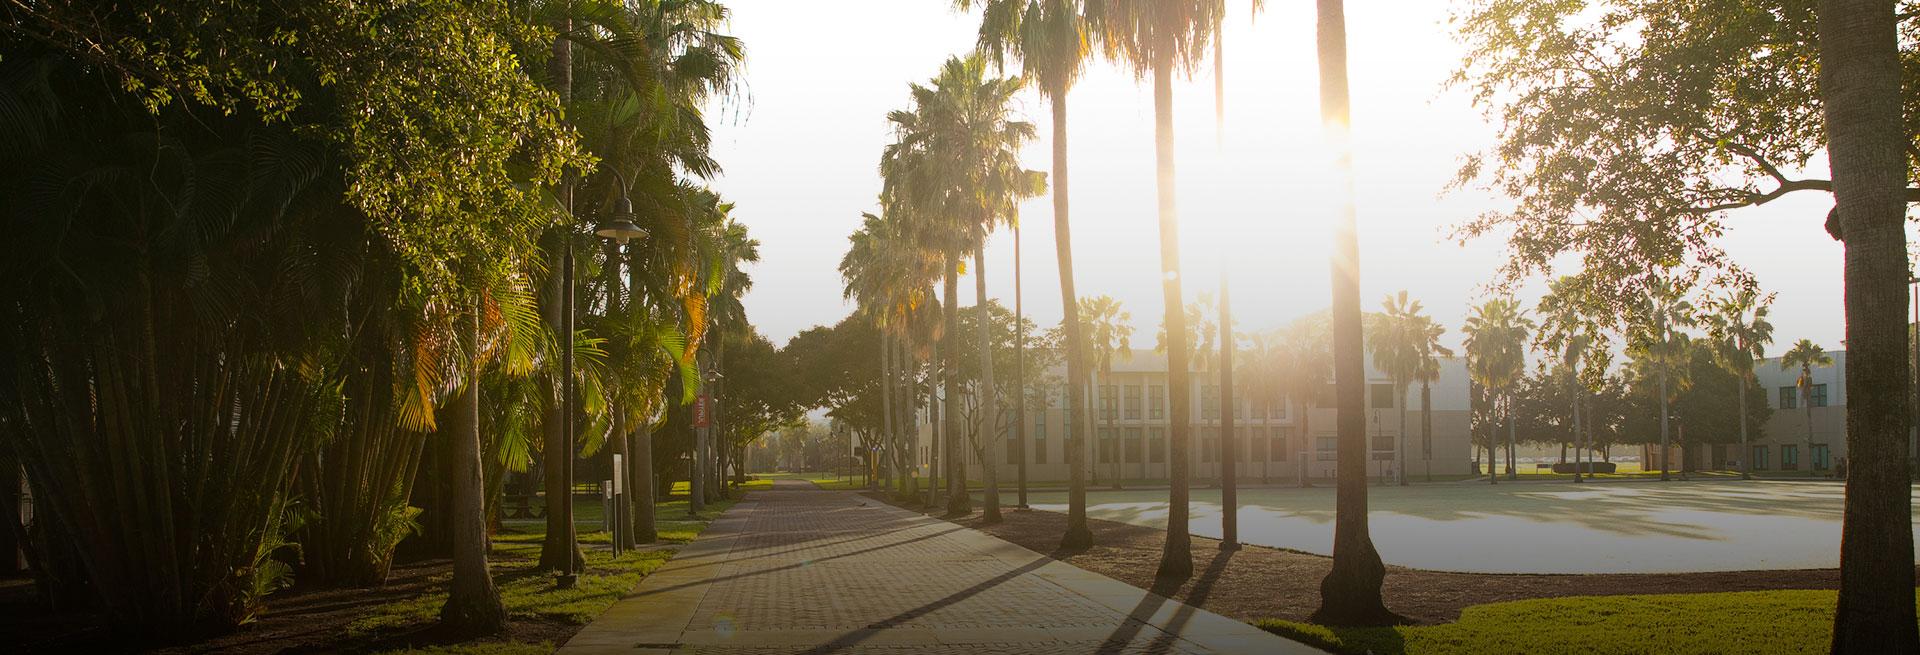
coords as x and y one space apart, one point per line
796 570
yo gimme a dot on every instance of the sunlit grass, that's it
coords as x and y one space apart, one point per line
1760 622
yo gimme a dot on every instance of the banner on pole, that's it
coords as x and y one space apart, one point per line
700 411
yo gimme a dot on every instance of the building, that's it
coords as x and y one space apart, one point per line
1805 433
1131 429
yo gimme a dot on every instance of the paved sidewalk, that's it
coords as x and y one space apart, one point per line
805 571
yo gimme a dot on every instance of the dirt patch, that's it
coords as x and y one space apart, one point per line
1260 582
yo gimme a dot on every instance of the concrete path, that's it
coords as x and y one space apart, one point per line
807 571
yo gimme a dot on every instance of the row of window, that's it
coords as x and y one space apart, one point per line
1124 402
1255 444
1790 396
1790 458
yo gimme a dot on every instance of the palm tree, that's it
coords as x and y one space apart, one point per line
1305 356
1862 59
1806 354
1496 358
1659 345
1740 335
1350 594
1567 329
1395 339
1200 341
473 603
1052 39
1428 351
1109 332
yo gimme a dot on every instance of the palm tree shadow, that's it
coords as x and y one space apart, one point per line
1162 590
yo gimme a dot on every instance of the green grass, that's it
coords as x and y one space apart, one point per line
530 594
1758 622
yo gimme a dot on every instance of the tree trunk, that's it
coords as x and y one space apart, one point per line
1400 463
1176 559
473 604
1746 451
559 544
1665 454
936 423
1350 593
887 430
958 502
1426 427
1106 417
1078 537
1229 450
1513 464
1860 80
1019 375
991 444
1577 393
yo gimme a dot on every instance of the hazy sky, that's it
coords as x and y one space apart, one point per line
801 158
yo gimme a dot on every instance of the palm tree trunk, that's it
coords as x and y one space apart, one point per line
473 603
1019 375
1513 465
936 424
991 445
1576 428
1426 427
1229 450
1078 537
1113 435
1350 593
1400 464
1746 451
1664 453
958 503
886 390
1176 559
1860 81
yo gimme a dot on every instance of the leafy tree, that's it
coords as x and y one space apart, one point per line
1660 349
1570 327
1496 359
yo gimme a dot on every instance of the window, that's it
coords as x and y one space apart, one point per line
1210 402
1817 397
1789 398
1257 446
1239 444
1133 402
1789 458
1383 443
1239 406
1276 448
1108 402
1382 396
1039 425
1133 445
1326 448
1277 410
1157 444
1013 450
1759 458
1209 445
1040 446
1819 454
1156 402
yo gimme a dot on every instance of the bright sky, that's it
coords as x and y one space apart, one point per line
801 163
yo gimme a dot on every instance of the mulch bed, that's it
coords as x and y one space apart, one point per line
1258 582
295 621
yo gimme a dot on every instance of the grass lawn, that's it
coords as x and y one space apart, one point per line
531 595
1760 622
821 479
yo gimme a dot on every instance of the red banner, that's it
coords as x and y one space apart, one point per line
700 411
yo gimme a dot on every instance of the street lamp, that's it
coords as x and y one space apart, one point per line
618 226
696 477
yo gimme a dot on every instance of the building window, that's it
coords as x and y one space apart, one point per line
1133 445
1789 397
1759 458
1789 458
1239 444
1276 448
1257 446
1326 448
1382 443
1210 403
1820 455
1239 406
1039 425
1106 445
1157 445
1109 402
1817 397
1382 396
1040 444
1156 402
1013 450
1132 399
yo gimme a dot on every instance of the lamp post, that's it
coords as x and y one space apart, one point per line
703 425
617 226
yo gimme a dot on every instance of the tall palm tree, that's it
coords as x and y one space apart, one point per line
1350 594
473 603
1428 352
1656 338
1741 332
1806 355
1496 358
1395 339
1870 148
1200 341
1109 332
1568 329
1052 39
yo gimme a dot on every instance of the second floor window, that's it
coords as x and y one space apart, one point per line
1133 402
1108 399
1156 402
1789 397
1817 396
1210 402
